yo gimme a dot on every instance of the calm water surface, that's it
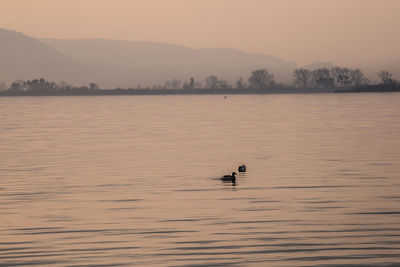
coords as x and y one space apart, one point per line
133 180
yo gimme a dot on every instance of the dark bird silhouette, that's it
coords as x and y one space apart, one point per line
242 168
229 178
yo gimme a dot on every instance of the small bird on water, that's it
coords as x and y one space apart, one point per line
242 168
229 178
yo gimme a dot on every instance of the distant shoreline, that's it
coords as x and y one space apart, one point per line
379 88
166 92
105 92
95 91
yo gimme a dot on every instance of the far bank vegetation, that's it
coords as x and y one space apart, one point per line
336 79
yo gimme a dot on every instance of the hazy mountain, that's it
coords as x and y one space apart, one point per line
129 63
23 57
113 63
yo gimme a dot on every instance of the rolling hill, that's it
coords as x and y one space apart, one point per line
129 63
24 57
115 63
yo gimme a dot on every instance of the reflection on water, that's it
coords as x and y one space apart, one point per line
134 180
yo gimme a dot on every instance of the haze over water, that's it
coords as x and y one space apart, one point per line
133 180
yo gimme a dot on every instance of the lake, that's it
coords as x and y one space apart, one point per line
134 180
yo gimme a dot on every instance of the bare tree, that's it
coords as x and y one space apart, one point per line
341 77
3 86
222 84
198 85
357 78
261 79
173 84
386 77
302 78
189 85
18 86
212 82
241 84
321 78
93 86
64 86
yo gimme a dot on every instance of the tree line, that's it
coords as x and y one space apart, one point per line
322 78
42 85
336 78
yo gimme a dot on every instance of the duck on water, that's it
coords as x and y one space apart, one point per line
229 178
242 168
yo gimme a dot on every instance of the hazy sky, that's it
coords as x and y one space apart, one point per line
344 31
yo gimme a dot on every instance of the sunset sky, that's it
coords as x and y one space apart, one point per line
342 31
